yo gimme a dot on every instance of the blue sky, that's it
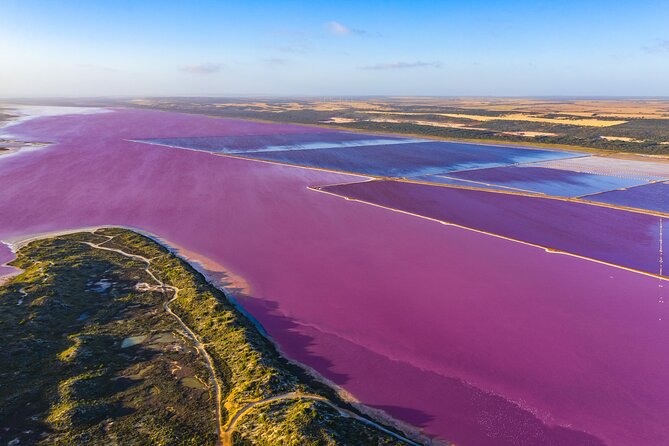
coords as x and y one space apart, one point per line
479 47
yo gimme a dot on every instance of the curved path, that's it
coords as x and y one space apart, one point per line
227 438
199 346
225 434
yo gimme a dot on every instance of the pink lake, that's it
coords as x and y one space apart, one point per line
476 339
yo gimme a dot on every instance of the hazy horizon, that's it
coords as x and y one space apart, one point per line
482 48
342 97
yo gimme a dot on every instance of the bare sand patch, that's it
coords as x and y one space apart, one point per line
533 118
620 138
338 120
515 117
530 134
218 274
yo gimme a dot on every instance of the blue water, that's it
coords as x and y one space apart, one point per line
556 182
652 197
409 160
273 142
438 179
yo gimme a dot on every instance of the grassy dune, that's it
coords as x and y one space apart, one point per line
90 356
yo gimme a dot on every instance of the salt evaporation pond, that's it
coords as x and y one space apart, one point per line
615 236
654 197
445 179
476 339
276 141
411 159
619 167
557 182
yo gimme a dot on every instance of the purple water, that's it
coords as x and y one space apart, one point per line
409 160
610 235
476 339
557 182
654 197
252 143
439 179
620 167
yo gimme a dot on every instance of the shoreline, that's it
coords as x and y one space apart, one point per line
17 147
412 432
11 270
20 114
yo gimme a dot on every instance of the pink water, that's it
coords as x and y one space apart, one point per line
615 236
478 340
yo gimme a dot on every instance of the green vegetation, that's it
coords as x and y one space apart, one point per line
303 422
652 134
91 356
65 376
648 136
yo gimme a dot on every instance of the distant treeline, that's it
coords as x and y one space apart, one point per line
651 133
588 141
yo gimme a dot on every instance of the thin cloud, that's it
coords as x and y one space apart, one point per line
203 68
402 65
660 46
97 68
277 61
339 29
